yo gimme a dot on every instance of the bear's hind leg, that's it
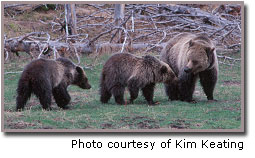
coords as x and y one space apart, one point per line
45 99
24 93
208 81
148 92
118 93
43 90
105 95
61 96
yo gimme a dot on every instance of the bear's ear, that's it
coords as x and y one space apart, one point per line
79 69
163 69
191 43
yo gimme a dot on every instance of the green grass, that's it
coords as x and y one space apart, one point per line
88 113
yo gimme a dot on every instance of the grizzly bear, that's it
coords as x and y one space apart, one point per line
126 70
191 56
44 77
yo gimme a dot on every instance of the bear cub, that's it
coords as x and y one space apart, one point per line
126 70
191 56
45 78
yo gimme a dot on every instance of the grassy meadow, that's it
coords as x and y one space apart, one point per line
86 111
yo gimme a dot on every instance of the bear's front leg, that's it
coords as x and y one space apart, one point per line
148 92
186 86
61 96
208 79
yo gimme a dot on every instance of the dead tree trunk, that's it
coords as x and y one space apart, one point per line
73 19
119 14
70 18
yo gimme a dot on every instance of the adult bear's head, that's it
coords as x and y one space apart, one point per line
199 57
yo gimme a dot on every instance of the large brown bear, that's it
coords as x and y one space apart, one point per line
191 56
126 70
46 77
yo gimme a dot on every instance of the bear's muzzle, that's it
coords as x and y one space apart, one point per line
187 69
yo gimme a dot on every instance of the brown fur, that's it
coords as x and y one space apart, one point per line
46 77
191 56
126 70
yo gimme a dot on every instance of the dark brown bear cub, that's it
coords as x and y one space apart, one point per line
45 78
191 57
126 70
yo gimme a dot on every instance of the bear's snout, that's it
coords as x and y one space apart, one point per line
187 69
88 86
84 85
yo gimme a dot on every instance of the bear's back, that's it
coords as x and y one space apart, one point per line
119 67
123 62
67 63
44 69
40 66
